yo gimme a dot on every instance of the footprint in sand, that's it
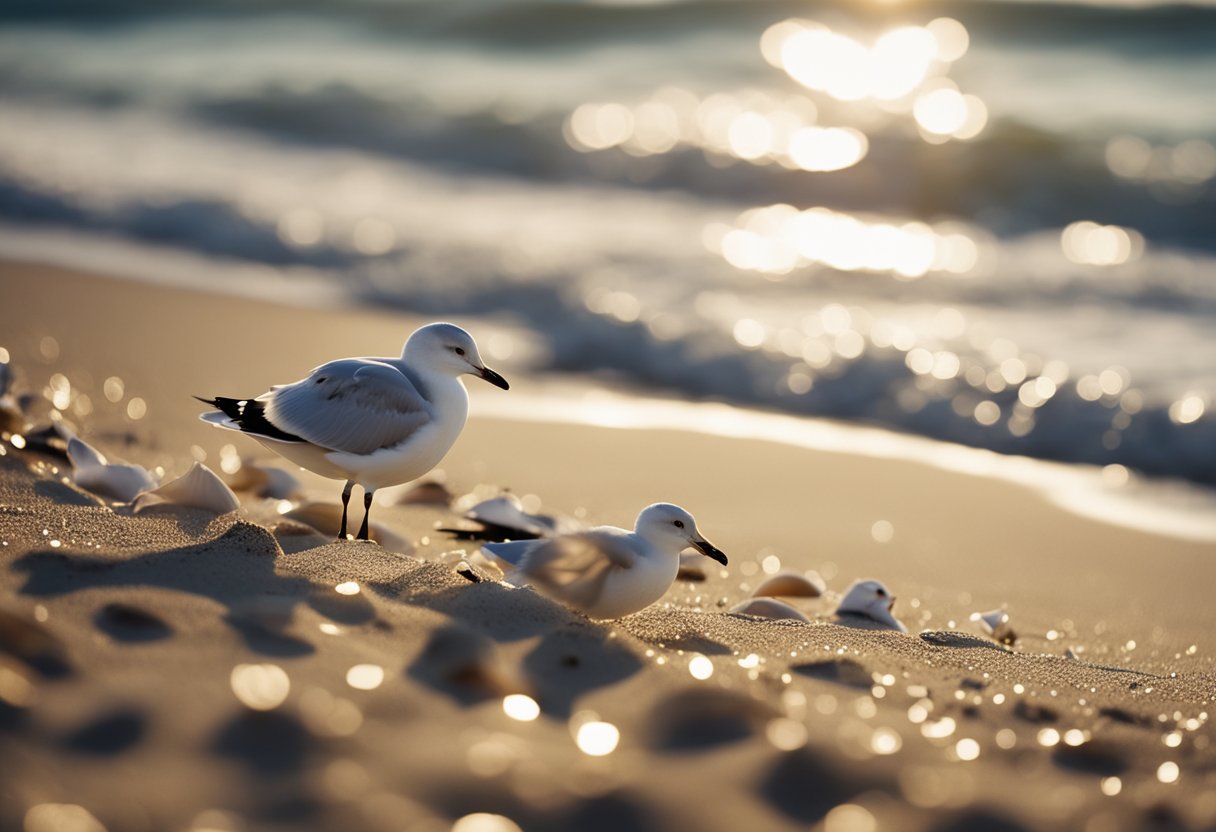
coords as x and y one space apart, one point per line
109 734
34 645
125 622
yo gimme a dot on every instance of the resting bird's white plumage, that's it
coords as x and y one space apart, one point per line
607 572
374 422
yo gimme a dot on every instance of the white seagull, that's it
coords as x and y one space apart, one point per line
870 599
372 421
608 572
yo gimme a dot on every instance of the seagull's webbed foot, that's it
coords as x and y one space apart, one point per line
345 501
367 512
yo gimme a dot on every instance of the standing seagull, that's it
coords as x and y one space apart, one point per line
372 421
608 572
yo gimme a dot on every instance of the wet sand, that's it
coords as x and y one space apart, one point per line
181 670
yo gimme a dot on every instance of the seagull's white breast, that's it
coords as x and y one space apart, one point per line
630 590
424 449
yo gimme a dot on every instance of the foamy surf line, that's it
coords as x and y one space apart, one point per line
1111 495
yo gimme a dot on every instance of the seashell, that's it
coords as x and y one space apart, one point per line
791 585
770 608
869 599
991 620
266 481
996 624
197 488
92 472
428 493
51 439
506 512
326 518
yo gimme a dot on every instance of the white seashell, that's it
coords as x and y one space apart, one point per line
770 608
868 598
791 585
506 511
991 620
92 472
996 624
197 488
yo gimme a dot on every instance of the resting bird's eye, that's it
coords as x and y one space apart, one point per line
459 350
881 592
679 524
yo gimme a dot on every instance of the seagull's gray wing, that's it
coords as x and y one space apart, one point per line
354 405
573 567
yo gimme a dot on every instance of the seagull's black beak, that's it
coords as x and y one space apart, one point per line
710 550
494 378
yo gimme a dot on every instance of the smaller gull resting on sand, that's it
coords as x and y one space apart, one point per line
608 572
372 421
870 599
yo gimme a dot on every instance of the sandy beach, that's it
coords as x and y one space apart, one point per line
174 669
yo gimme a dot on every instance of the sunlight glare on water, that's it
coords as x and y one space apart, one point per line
779 238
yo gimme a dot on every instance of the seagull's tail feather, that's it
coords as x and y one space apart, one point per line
229 407
512 552
245 415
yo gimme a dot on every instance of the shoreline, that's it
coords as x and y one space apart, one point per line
1111 494
132 640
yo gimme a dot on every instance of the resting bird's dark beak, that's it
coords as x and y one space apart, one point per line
494 378
710 550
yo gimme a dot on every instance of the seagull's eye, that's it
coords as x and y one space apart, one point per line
459 350
679 524
881 592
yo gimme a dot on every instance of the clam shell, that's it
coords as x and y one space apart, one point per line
428 493
266 481
991 620
327 517
996 624
507 512
770 608
791 585
92 472
197 488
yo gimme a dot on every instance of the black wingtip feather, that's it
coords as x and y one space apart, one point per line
249 415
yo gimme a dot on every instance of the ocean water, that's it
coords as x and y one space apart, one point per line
987 222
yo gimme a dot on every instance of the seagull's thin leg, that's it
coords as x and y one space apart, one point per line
345 499
367 512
